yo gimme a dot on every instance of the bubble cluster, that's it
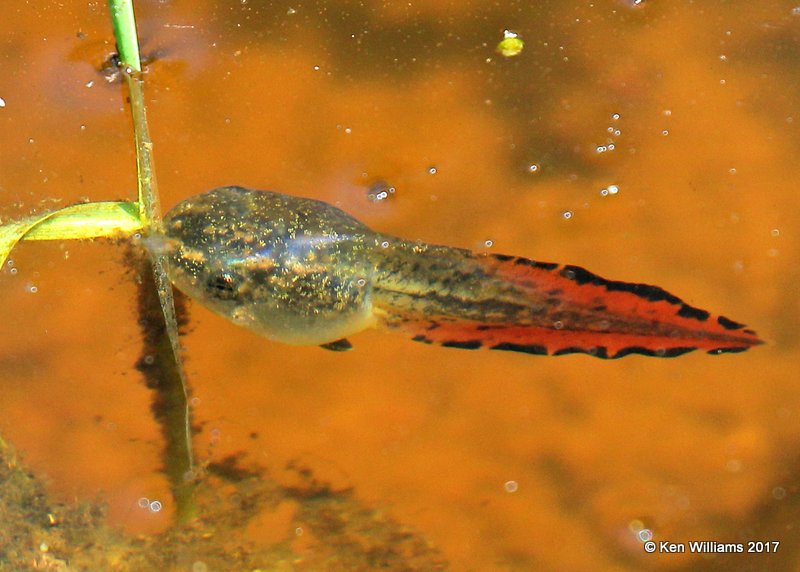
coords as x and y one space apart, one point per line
609 190
151 505
380 191
613 132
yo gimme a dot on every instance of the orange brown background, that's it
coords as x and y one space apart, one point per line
325 101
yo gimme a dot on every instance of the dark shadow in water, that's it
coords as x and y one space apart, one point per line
169 405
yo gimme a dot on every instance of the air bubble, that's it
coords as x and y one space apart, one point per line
385 244
558 325
488 243
316 68
611 146
613 189
603 192
361 282
732 170
155 506
13 271
615 116
32 289
298 531
567 215
511 486
617 133
143 502
533 168
775 232
779 493
645 535
601 149
665 132
432 170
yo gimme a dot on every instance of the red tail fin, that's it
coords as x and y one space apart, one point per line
572 311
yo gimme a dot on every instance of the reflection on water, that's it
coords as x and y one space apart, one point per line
687 112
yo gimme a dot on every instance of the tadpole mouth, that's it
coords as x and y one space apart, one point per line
159 244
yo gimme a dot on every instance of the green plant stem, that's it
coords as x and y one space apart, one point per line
124 23
149 206
176 385
172 389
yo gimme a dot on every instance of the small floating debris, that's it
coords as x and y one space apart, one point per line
511 45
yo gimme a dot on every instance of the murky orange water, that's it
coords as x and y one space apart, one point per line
699 101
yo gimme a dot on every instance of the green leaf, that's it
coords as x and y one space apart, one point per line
88 220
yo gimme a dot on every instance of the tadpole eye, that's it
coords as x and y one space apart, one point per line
223 285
